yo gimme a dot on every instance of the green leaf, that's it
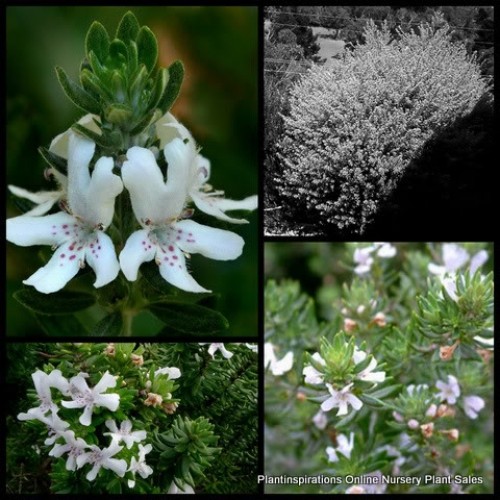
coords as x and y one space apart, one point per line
382 393
159 88
175 77
105 141
118 54
128 27
94 86
76 94
97 40
119 114
147 48
53 160
109 325
54 303
189 319
61 325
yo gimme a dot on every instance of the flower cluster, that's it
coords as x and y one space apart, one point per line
160 201
65 440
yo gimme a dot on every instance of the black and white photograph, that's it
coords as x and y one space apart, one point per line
378 121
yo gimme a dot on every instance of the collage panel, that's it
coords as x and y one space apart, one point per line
378 368
100 418
131 202
379 122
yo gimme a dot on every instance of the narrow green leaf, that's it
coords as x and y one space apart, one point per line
109 325
189 318
148 118
97 40
118 54
96 67
61 325
147 48
175 77
138 84
93 85
54 303
159 88
133 57
75 93
119 114
53 160
128 27
382 393
105 141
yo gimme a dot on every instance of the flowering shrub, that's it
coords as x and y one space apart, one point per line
393 392
129 179
353 128
147 419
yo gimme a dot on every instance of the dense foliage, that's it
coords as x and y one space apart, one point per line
191 411
353 128
386 372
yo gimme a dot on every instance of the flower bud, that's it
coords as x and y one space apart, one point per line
137 360
445 411
153 400
356 490
413 424
398 417
110 349
361 309
170 408
301 396
349 325
431 411
446 352
379 319
451 434
427 430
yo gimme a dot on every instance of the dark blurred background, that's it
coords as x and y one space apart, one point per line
218 103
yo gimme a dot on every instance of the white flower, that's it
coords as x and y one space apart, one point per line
277 367
172 372
43 384
219 346
79 236
341 400
311 374
206 200
87 398
159 208
368 375
73 447
363 259
473 405
139 465
320 420
449 391
385 250
124 433
186 488
98 458
55 427
454 257
344 447
419 388
253 347
449 283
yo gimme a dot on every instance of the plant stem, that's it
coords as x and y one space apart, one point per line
128 317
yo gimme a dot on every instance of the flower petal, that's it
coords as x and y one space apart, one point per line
93 473
213 243
107 382
177 274
80 153
102 259
86 416
138 249
146 185
59 144
103 188
355 402
330 403
168 129
213 205
26 230
180 157
110 401
45 200
62 266
119 467
478 260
